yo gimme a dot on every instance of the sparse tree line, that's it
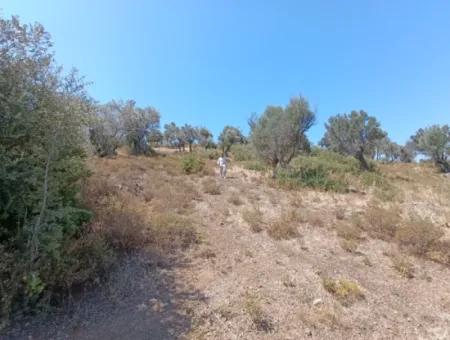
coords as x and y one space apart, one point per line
48 121
279 134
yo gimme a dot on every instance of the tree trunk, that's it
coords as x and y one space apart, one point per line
190 147
362 161
37 225
443 165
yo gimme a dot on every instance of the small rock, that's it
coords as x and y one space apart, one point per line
308 332
142 307
317 302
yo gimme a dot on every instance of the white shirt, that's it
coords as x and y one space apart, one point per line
221 162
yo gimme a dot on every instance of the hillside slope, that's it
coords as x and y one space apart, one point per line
244 259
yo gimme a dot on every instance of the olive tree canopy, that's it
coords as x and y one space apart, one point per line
230 135
279 133
354 134
434 142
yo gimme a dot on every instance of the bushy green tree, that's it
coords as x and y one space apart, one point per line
279 133
205 137
139 125
174 136
434 142
44 115
190 135
105 131
353 134
230 135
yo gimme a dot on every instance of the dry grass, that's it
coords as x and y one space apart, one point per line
252 306
403 266
350 246
285 227
235 199
321 316
419 235
140 205
315 219
349 231
347 292
254 219
351 235
381 223
210 186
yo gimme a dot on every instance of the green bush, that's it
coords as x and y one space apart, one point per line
326 170
255 166
243 152
192 164
42 164
312 176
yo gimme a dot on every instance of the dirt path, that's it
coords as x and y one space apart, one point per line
239 284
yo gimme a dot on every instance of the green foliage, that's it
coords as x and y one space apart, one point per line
139 126
354 134
230 136
279 133
434 142
313 176
327 170
243 152
255 166
192 164
44 115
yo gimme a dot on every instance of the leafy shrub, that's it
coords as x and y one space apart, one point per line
309 175
243 152
191 164
255 166
42 163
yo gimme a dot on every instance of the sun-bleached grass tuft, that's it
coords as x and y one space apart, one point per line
285 227
347 292
254 219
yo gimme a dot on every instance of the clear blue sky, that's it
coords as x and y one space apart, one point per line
214 62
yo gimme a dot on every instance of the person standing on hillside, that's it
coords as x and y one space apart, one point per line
222 163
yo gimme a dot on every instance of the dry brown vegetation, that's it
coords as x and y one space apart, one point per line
288 264
254 219
210 186
140 204
254 310
403 265
284 227
346 291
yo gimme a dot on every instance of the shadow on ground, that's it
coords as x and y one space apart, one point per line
140 299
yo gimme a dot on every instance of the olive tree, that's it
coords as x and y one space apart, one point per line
354 134
434 142
230 135
205 137
44 116
190 135
139 125
174 136
279 133
105 131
